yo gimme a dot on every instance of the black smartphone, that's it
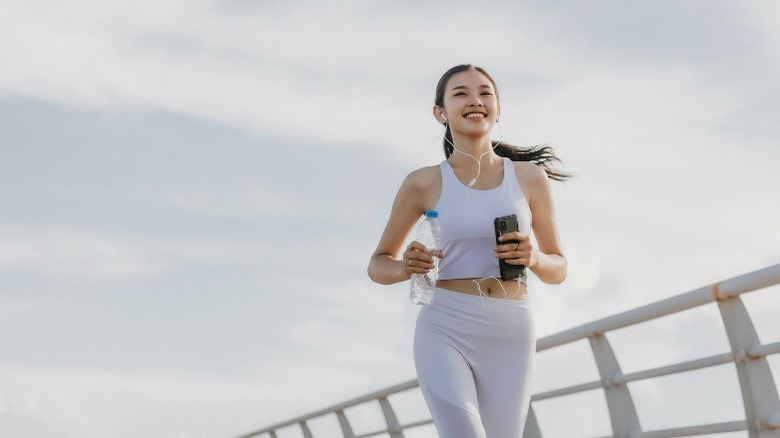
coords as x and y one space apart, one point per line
507 224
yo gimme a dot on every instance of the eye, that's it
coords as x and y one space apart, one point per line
487 93
460 94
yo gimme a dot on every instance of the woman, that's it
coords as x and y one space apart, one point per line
474 343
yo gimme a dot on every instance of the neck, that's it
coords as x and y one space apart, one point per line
472 145
474 157
469 151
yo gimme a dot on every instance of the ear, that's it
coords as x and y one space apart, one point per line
438 114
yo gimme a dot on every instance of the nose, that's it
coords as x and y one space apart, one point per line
476 101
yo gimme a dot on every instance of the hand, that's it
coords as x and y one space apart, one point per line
417 259
520 252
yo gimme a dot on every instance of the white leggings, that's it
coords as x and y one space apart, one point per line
474 360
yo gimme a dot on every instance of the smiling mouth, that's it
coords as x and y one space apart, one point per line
475 116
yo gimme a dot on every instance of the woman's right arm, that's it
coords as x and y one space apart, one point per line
413 198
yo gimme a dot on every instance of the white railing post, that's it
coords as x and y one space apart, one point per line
346 429
305 429
622 413
759 393
392 421
531 425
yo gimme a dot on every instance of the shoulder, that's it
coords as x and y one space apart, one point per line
421 188
424 177
533 180
529 174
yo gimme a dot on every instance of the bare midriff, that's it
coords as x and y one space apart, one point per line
491 287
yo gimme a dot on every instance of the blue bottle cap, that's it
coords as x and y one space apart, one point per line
431 213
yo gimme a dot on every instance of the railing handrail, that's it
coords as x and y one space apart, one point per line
719 291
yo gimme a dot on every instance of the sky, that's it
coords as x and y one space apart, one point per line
190 192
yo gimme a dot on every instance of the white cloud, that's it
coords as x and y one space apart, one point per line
307 75
253 201
763 16
87 402
94 255
377 310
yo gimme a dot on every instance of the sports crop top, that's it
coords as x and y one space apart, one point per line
466 220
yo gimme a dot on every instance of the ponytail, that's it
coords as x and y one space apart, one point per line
541 155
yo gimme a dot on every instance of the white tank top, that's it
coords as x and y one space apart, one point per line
466 219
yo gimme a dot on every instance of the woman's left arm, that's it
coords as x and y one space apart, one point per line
547 261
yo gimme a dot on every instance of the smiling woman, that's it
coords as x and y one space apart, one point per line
474 342
541 155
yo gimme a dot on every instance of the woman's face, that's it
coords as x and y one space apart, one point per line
470 103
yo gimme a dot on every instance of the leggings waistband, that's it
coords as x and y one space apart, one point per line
464 298
478 315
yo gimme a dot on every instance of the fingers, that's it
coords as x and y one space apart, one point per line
520 244
416 246
513 235
523 261
517 249
417 259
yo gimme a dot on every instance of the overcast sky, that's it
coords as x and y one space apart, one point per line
190 192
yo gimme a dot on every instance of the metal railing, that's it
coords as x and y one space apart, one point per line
759 393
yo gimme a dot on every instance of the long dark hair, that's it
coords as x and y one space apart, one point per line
543 155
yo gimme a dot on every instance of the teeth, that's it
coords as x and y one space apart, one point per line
475 115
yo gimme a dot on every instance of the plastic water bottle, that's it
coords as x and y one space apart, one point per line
429 234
